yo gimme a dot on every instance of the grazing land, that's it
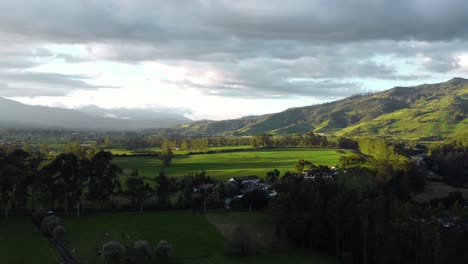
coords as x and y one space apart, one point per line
121 150
22 243
194 239
229 164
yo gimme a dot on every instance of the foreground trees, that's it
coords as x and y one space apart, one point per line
103 177
367 226
166 156
66 174
17 172
67 179
451 161
137 190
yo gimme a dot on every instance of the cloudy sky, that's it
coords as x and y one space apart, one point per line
225 58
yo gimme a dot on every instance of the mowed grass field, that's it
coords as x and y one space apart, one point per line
22 243
194 238
230 164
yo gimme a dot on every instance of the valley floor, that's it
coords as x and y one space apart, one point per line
196 238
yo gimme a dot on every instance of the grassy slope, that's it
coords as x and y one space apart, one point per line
194 239
226 165
424 118
408 113
21 243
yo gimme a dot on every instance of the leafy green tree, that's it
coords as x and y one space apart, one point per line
137 190
75 148
200 145
184 145
18 170
303 165
107 143
104 177
451 161
92 150
68 175
163 189
166 156
273 176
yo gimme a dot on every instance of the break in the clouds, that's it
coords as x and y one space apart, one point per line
262 55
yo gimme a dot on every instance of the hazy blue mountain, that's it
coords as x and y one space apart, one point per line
17 115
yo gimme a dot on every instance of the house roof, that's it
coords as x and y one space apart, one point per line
245 178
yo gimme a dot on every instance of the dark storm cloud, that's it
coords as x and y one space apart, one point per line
263 46
330 20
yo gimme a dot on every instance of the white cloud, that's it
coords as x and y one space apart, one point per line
224 59
463 61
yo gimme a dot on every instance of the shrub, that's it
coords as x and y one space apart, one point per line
38 216
113 253
49 223
164 249
141 252
240 243
59 233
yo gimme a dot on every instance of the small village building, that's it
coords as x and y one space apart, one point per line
245 180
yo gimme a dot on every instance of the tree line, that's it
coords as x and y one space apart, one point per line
373 225
28 179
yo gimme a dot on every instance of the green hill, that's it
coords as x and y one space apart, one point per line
424 111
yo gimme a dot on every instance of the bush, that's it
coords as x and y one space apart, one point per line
240 243
164 249
59 233
38 216
113 253
49 223
141 252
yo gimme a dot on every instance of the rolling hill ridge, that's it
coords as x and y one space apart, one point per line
428 110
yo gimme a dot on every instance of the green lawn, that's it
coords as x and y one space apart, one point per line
229 164
22 243
194 239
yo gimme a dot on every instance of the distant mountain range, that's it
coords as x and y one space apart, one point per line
424 111
17 115
428 110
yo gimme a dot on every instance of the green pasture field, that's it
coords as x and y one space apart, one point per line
121 150
22 243
194 239
223 148
230 164
262 228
